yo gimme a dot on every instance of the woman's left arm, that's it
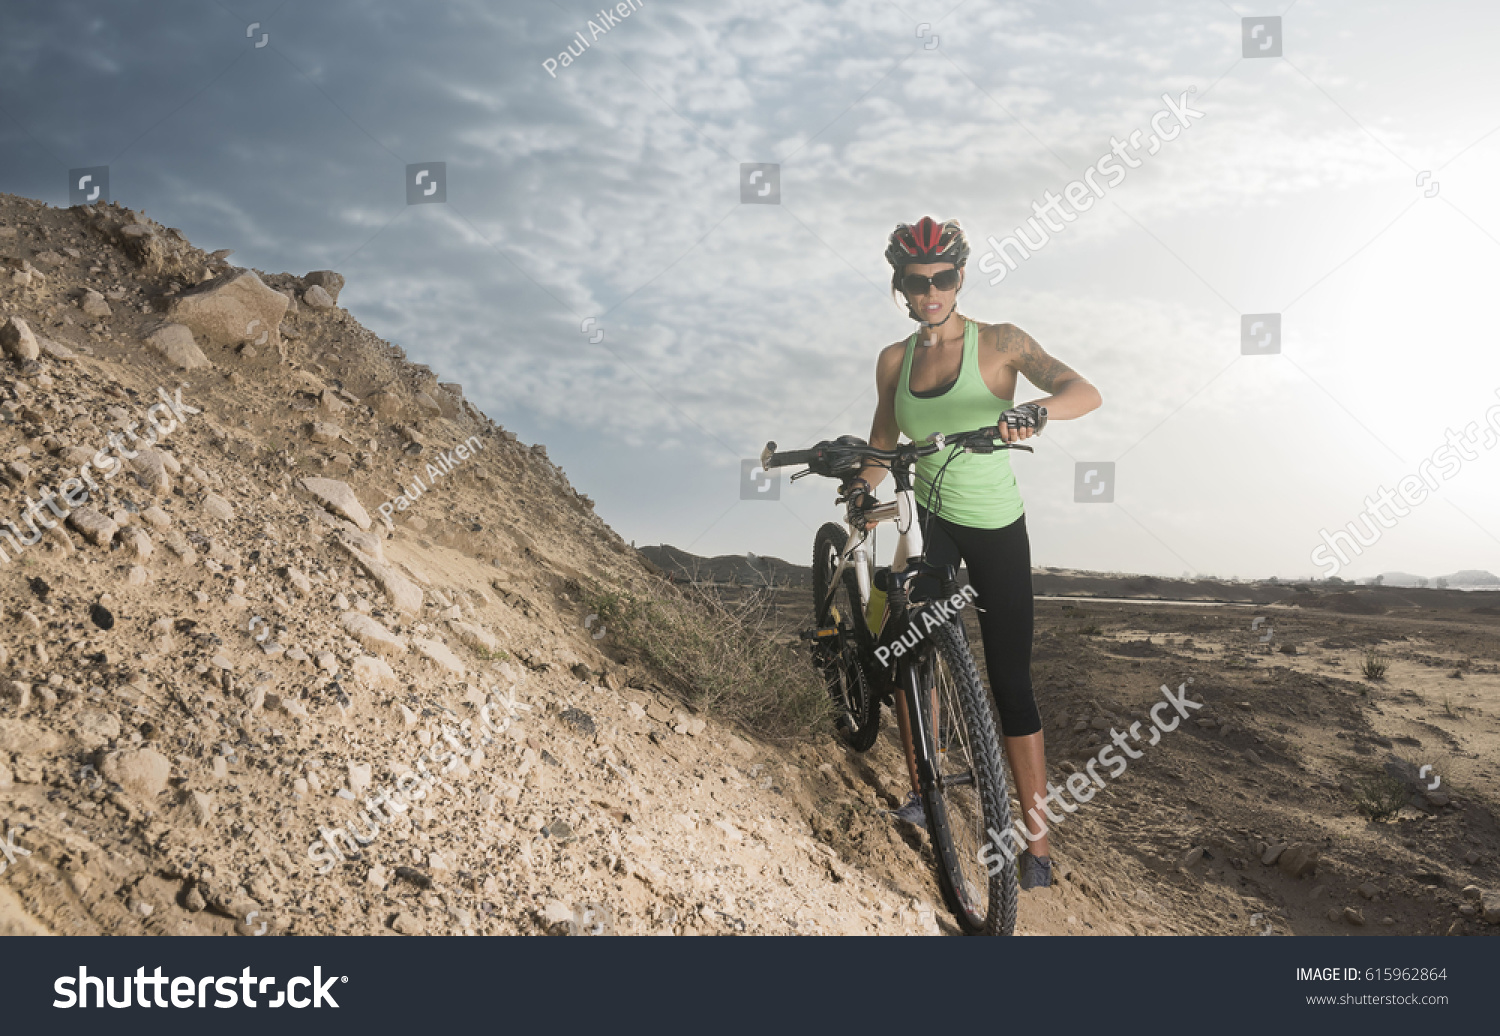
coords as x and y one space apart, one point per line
1069 394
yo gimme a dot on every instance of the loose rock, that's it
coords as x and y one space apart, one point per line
338 498
175 344
232 308
18 341
142 773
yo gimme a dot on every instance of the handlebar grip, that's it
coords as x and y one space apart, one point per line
769 460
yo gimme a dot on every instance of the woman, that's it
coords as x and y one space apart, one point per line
955 375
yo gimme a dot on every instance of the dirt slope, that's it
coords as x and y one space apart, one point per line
208 665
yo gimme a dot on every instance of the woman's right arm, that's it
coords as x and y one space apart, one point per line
884 433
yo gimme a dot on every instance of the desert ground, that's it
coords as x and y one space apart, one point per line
1291 739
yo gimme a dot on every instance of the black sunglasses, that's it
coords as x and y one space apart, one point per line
916 284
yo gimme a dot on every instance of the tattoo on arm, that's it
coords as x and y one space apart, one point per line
1042 370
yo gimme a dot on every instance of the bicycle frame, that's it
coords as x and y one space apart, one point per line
903 511
904 679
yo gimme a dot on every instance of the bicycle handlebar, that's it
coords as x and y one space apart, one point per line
840 457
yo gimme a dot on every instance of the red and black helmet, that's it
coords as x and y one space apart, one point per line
928 241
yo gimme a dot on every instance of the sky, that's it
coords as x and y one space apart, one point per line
594 272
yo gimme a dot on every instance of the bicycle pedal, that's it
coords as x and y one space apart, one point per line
819 633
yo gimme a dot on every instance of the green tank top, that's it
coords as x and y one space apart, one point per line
978 490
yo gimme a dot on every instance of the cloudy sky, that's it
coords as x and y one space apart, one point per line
1346 185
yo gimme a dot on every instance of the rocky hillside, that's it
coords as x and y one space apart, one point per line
259 577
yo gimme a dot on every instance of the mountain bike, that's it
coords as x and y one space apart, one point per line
861 614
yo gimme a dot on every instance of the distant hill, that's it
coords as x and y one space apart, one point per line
732 569
1472 577
1397 589
1402 579
1468 577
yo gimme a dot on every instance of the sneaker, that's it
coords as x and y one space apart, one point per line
1036 871
912 811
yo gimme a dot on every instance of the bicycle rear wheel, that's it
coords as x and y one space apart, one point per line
969 797
855 702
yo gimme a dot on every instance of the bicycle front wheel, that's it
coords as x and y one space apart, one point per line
855 703
968 796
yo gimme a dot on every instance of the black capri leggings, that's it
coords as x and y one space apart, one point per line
999 564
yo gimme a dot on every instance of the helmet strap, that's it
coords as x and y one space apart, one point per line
932 327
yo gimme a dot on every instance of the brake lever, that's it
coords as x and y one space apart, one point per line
991 447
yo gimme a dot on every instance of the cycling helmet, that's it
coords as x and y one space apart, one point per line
928 241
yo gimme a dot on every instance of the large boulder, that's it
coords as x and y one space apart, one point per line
175 344
385 403
231 308
439 653
143 244
316 298
18 340
331 282
93 305
337 497
373 636
1298 860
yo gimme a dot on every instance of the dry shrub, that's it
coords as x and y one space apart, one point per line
725 658
1380 796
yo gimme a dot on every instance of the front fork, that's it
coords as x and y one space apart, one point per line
911 693
864 565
